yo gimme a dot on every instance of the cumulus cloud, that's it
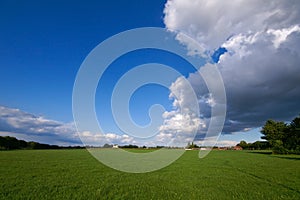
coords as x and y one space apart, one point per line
99 139
260 69
15 122
18 121
183 122
212 22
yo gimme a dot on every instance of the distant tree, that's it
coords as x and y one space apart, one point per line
243 144
107 146
22 144
2 143
130 146
10 143
255 145
191 146
259 145
188 145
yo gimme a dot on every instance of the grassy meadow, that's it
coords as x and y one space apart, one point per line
75 174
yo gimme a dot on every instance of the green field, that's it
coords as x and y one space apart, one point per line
75 174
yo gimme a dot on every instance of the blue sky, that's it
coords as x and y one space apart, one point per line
42 45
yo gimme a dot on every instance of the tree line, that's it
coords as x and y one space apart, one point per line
258 145
11 143
281 137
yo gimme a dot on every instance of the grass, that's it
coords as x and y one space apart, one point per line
75 174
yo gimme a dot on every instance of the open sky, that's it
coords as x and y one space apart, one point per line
254 44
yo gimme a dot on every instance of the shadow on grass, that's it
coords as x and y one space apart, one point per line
261 152
287 157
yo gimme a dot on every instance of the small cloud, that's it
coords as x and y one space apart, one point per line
226 143
280 35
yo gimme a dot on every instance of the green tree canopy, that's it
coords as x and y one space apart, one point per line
284 138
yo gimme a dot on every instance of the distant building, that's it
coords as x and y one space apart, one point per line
115 146
237 147
223 148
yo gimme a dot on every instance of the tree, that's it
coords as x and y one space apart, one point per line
293 139
188 145
283 138
256 145
243 144
107 145
191 146
274 131
10 143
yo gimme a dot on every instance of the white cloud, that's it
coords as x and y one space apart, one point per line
181 124
20 121
193 48
212 22
99 139
226 143
15 122
280 35
260 71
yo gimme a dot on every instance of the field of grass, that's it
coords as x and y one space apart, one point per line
75 174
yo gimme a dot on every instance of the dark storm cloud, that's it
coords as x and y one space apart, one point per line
261 68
